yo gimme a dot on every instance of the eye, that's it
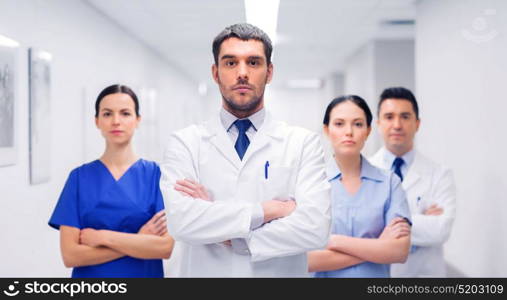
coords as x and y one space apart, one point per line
253 63
406 117
230 63
359 124
389 117
338 123
126 113
106 114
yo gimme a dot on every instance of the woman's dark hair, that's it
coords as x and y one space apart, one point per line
399 93
114 89
354 99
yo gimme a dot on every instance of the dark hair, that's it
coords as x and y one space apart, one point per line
354 99
245 32
400 93
114 89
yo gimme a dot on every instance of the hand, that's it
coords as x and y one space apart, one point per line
190 188
227 243
434 210
334 242
277 208
397 228
91 237
157 225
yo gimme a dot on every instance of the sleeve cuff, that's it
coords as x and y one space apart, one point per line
257 217
240 246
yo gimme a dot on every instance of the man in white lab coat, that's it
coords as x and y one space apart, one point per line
429 186
246 195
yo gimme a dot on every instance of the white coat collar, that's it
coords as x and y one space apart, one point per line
216 133
415 171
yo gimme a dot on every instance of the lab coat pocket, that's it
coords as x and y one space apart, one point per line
278 183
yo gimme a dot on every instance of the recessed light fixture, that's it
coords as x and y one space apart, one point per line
263 14
8 42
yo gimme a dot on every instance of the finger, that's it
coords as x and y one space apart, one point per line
434 211
186 185
396 221
161 219
186 190
191 183
158 216
161 226
161 231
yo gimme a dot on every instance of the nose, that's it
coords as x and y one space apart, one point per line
116 119
397 123
242 71
348 130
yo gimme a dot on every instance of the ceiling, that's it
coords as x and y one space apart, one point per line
314 37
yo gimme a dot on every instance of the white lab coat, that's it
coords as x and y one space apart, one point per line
425 183
277 249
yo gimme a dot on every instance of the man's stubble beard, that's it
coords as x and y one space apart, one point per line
246 109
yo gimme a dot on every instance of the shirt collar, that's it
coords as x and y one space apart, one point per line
228 119
408 158
368 171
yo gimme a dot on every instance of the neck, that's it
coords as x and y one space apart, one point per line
350 166
400 151
118 155
241 114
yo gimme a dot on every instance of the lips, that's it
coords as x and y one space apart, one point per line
348 142
242 88
116 132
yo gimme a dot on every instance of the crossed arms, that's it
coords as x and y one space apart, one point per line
84 247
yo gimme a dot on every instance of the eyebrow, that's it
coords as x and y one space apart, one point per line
122 109
401 113
228 56
356 119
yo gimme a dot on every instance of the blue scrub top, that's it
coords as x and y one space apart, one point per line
380 199
92 198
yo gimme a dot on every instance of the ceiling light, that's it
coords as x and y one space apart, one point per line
7 42
263 14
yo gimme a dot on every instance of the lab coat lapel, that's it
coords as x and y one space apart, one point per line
217 135
262 137
413 174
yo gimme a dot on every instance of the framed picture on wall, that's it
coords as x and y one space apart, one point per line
39 115
8 70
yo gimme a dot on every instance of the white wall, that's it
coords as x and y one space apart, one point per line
375 66
89 52
461 65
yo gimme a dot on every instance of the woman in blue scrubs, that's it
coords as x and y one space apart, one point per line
371 226
110 212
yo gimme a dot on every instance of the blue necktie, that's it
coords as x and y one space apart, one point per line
242 142
397 163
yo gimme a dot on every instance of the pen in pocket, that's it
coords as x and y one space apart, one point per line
266 170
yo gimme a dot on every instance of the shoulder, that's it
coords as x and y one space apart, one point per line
381 175
148 164
85 169
376 159
148 167
430 167
295 133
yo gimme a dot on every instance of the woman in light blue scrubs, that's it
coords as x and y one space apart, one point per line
371 226
110 212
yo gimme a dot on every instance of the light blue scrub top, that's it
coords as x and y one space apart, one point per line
379 199
92 198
